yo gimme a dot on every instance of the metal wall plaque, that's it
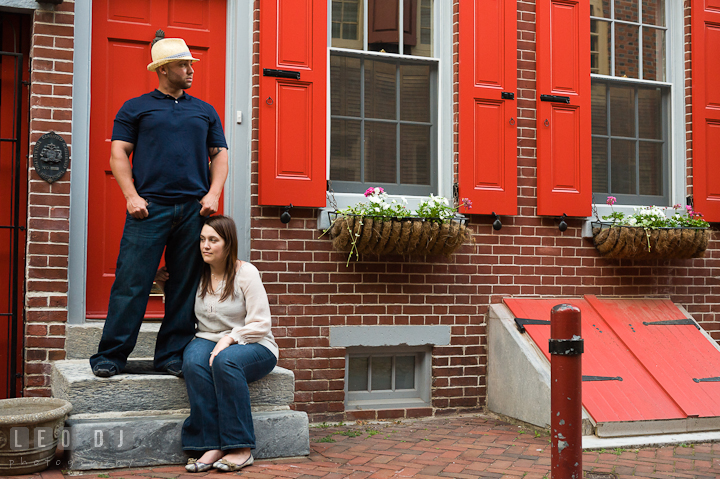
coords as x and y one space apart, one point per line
51 157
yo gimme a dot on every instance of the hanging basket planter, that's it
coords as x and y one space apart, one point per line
413 236
635 242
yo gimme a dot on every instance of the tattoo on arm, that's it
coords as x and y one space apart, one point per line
215 150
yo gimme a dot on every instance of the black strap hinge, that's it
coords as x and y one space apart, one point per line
707 380
566 347
602 378
521 322
672 322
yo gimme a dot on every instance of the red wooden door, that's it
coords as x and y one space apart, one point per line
564 163
488 116
14 38
293 115
122 32
706 107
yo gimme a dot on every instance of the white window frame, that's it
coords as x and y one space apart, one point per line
442 46
675 74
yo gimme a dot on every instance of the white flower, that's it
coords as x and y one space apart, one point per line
404 200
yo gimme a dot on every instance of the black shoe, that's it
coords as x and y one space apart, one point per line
175 369
105 370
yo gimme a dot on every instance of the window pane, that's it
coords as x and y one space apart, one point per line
380 89
380 156
622 167
627 10
651 160
415 154
358 374
600 9
627 63
381 373
622 110
383 25
415 92
649 113
405 372
344 86
653 54
345 150
600 47
599 165
425 29
653 12
599 109
347 24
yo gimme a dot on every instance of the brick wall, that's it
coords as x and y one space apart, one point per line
48 204
311 288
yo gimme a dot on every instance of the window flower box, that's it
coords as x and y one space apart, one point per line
651 233
636 242
414 236
385 226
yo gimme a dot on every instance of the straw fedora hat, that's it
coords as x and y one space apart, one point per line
169 50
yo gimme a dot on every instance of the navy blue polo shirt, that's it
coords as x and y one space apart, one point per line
170 161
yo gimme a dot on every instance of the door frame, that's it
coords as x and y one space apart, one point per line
238 98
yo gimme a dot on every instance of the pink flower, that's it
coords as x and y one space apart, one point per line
611 200
466 203
677 206
688 208
374 191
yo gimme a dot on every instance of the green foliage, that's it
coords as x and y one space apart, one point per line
379 204
350 433
327 438
650 217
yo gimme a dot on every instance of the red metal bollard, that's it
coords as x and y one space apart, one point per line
566 347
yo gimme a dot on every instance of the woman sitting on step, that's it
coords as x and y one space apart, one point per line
233 346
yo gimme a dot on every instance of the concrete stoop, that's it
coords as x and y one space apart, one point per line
134 420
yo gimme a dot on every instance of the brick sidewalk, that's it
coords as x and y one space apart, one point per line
455 446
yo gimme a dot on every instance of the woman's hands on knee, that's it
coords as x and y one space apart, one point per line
226 341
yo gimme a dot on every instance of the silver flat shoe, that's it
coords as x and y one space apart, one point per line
226 466
194 465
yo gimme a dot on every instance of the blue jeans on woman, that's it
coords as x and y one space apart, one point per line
174 229
219 397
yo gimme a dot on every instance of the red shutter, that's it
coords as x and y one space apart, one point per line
488 123
706 107
564 162
292 151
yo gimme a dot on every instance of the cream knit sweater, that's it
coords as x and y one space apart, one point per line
246 318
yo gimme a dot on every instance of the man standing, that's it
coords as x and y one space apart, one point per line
169 188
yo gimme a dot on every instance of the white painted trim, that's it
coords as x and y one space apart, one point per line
77 249
676 74
238 97
238 91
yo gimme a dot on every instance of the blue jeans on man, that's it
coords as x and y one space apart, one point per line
174 229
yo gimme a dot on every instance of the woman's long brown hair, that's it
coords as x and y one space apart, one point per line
224 226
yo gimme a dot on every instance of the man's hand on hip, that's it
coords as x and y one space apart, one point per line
137 207
210 204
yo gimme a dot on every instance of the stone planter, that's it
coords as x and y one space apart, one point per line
661 243
403 236
29 432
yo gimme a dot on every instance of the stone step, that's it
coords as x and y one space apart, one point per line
106 442
146 390
83 339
